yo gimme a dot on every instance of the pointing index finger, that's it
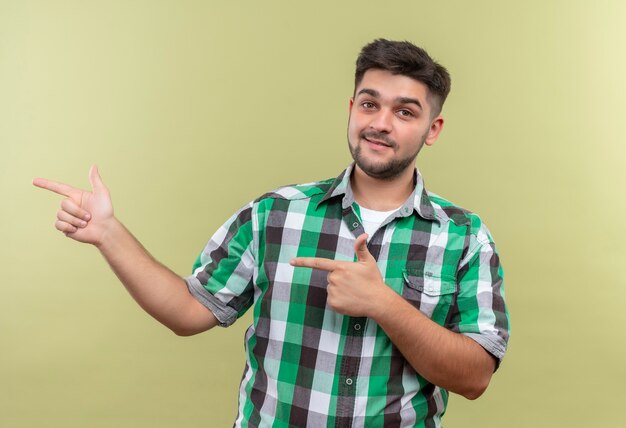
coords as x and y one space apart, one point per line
56 187
315 263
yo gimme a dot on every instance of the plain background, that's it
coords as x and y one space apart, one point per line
193 108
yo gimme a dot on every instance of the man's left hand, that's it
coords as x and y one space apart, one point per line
354 288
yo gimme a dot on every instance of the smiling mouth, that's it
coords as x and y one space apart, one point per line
377 139
377 142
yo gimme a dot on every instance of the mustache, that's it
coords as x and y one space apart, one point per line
378 136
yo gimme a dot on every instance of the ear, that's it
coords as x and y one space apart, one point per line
435 129
351 103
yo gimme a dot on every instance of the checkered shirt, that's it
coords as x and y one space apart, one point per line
307 365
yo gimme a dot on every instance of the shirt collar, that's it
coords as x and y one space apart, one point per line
418 201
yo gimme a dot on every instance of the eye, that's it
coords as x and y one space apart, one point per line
405 113
368 105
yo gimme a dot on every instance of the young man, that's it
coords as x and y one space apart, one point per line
372 297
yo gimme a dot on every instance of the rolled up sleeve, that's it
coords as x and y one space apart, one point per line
223 272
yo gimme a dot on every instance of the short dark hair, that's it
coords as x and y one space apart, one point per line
406 59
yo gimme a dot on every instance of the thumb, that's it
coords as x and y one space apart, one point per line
360 248
96 180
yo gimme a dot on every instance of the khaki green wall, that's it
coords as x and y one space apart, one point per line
191 109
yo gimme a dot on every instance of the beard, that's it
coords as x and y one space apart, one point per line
382 170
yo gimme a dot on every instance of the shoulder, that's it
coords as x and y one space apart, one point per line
447 211
294 192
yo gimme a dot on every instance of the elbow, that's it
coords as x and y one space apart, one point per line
474 394
186 330
183 331
477 389
478 383
192 325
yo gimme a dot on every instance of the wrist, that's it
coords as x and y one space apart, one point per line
384 301
109 235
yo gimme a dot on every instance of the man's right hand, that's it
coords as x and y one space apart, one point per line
84 216
88 217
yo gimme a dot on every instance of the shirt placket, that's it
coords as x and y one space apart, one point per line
351 360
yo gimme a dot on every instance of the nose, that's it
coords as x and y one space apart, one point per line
382 121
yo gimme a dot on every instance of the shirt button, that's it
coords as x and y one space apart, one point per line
357 327
355 224
348 381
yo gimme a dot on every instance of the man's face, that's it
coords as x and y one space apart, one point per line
390 121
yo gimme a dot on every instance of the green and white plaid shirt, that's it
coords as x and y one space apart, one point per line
307 365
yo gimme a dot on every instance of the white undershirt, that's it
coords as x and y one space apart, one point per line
373 219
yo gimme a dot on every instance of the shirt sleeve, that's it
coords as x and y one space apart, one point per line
483 315
223 273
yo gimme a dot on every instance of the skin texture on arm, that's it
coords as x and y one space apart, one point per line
445 358
88 217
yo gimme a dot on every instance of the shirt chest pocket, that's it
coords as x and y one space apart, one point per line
433 294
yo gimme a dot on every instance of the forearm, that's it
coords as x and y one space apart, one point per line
158 290
447 359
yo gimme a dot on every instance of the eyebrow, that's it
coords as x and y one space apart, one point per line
402 100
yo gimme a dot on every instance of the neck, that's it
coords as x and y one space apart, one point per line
381 195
